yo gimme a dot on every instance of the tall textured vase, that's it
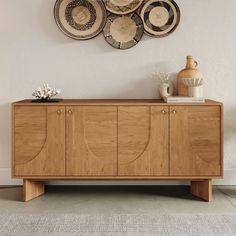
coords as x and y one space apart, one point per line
190 71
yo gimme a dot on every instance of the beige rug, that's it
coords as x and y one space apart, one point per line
74 224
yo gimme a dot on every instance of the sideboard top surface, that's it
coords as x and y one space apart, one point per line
114 102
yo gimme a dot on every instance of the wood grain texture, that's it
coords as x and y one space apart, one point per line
196 152
114 102
30 132
202 189
195 140
123 178
39 146
91 140
142 140
32 189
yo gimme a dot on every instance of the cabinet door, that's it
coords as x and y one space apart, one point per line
39 140
91 140
143 140
195 140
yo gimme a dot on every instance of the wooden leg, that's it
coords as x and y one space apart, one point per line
32 189
202 189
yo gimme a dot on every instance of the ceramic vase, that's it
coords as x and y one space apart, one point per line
166 89
190 71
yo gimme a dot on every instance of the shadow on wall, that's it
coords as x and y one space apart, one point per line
49 27
147 88
141 89
5 135
230 138
48 24
230 126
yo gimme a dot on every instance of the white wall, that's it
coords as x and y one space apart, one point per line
33 51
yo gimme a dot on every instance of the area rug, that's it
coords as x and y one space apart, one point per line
130 225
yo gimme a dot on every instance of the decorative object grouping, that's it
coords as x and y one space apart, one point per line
123 22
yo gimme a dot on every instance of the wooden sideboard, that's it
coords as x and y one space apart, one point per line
117 140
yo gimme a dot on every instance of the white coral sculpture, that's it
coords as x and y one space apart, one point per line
46 92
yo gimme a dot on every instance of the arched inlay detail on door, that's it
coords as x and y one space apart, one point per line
37 155
93 150
30 133
99 131
40 146
142 140
133 132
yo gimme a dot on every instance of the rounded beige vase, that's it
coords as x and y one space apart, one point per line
190 71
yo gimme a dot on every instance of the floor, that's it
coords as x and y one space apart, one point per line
118 200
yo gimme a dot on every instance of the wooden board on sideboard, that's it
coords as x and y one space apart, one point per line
114 102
